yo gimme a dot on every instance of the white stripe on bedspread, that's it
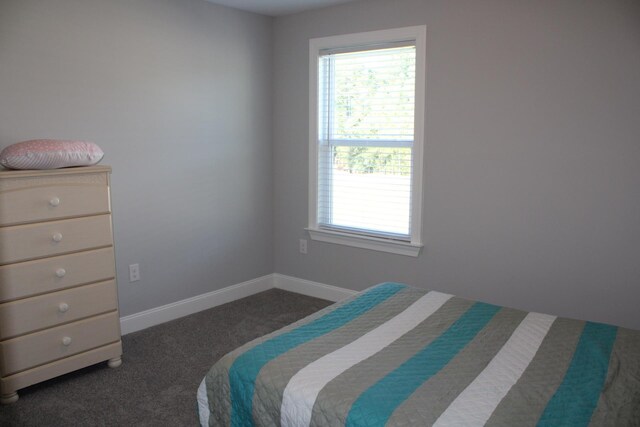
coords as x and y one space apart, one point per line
303 388
476 403
203 404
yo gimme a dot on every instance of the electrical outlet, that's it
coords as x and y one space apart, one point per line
134 272
303 246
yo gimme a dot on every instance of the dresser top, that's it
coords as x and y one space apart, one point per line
9 173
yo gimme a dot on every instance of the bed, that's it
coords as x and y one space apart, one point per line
401 356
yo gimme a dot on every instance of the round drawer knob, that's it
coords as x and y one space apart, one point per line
63 307
57 237
66 341
54 202
61 272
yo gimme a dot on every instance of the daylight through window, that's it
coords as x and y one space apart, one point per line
365 142
366 138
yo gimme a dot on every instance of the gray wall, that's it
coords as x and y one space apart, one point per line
532 179
178 94
532 155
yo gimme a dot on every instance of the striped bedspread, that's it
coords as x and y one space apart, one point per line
400 356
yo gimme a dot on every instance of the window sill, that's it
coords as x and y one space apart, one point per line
365 242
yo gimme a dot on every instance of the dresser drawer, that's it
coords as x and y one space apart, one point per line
31 314
45 203
59 367
29 278
25 242
35 349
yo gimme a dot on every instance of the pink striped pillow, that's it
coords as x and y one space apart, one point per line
50 154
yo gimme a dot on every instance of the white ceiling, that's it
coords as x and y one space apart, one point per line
277 7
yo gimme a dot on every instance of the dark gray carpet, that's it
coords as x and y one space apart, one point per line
162 368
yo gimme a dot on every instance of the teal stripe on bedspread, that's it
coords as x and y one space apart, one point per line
577 396
245 369
377 404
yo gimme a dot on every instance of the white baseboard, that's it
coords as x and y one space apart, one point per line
155 316
312 289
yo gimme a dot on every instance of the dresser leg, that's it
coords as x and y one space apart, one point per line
8 398
115 362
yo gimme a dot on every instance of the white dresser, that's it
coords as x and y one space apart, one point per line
58 293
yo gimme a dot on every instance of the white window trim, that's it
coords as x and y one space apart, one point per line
419 34
365 242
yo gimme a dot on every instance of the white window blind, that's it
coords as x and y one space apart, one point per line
366 103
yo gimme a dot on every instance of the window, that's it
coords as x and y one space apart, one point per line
366 136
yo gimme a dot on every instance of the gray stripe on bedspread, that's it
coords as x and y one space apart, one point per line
276 374
524 403
431 399
338 395
619 403
218 385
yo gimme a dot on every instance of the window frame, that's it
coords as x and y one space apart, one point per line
347 41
